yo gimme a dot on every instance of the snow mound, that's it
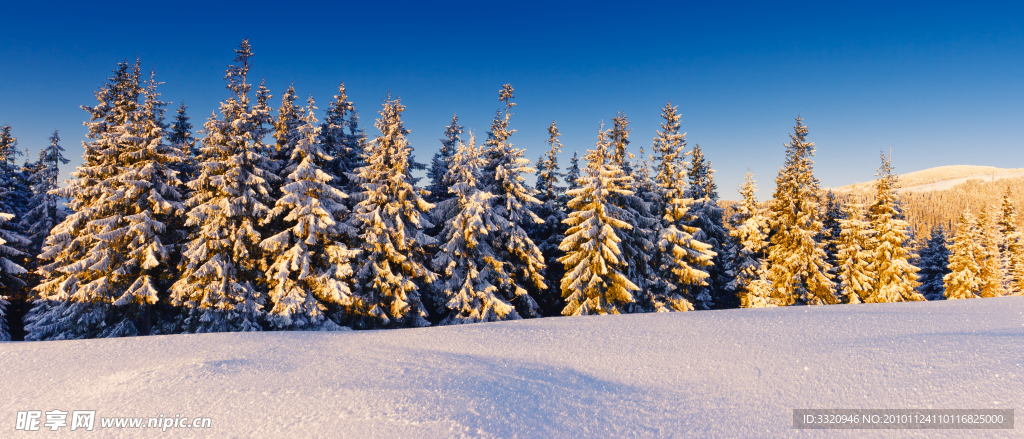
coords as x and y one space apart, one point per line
731 373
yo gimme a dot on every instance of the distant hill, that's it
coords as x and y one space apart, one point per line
940 178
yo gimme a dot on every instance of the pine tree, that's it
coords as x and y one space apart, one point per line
472 271
895 279
222 265
750 241
854 258
681 260
595 282
46 211
964 279
111 260
286 127
1011 246
706 216
619 137
573 173
441 162
309 267
337 143
797 268
180 137
502 176
389 221
992 273
833 215
552 210
11 203
934 264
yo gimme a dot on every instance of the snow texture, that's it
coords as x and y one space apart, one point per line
724 373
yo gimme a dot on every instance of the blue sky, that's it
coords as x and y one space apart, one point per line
940 84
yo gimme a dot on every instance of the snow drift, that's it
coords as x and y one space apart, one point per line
731 373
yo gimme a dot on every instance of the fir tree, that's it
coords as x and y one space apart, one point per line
619 137
797 268
1011 246
854 258
389 221
573 173
964 278
750 241
180 137
441 162
472 271
552 210
346 147
502 176
111 259
681 259
219 287
46 210
595 282
895 279
992 273
934 264
706 217
833 215
309 267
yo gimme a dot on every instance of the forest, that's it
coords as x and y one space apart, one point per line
269 219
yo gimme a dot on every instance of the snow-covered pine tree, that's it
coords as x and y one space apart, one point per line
286 128
472 271
854 257
1011 246
111 258
895 280
9 273
13 202
964 279
502 176
389 221
934 264
747 254
222 264
573 173
552 210
992 273
345 147
180 137
680 259
46 210
797 269
638 243
706 216
441 162
595 281
309 267
833 214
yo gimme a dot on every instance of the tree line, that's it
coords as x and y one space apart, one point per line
285 222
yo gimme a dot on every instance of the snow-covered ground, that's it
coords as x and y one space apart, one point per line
734 373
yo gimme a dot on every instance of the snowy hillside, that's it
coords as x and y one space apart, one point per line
732 373
940 178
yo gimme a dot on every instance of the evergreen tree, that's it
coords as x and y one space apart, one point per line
219 288
854 258
15 194
895 279
992 268
750 241
111 260
441 162
472 271
552 210
595 282
706 217
964 278
797 268
46 210
309 268
834 213
573 173
180 137
389 221
619 137
934 263
513 200
1011 246
681 260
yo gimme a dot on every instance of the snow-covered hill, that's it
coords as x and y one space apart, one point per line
940 178
732 373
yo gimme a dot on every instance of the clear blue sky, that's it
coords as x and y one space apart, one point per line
941 84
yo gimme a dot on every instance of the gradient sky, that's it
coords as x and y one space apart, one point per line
940 84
